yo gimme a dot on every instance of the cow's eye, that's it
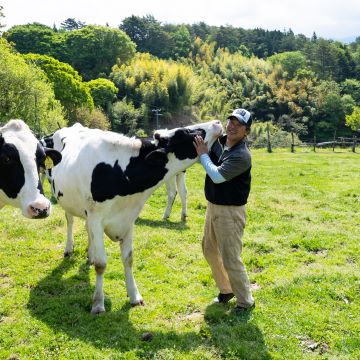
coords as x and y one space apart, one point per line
5 160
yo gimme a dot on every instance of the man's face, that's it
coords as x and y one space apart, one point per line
235 131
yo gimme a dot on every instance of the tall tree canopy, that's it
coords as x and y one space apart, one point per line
103 91
71 24
69 88
149 36
32 38
26 94
93 50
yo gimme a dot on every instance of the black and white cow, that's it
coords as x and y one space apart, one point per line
174 185
21 157
106 178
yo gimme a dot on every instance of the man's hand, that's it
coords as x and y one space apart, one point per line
200 145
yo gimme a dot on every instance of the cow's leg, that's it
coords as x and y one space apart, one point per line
127 259
181 187
69 248
91 250
171 193
96 241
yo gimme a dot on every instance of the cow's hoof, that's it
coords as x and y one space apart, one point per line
183 218
138 303
98 309
68 253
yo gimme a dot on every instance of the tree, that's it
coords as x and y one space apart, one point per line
95 118
291 62
148 35
200 30
182 42
227 37
348 104
356 58
103 92
330 60
352 87
135 27
353 120
26 94
330 112
202 53
31 38
125 118
69 88
71 24
155 83
1 16
93 50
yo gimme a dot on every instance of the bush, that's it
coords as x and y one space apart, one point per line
125 118
94 119
278 137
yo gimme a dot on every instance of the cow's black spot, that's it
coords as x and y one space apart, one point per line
144 171
40 155
40 187
40 159
108 181
12 174
53 186
59 194
181 143
62 141
48 141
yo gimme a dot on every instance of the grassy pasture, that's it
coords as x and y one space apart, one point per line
301 248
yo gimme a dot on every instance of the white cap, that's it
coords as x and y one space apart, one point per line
242 115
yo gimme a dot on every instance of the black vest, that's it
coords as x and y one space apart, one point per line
233 192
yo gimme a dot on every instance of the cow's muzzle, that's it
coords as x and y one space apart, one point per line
39 212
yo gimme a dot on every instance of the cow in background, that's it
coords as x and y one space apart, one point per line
175 185
106 178
21 157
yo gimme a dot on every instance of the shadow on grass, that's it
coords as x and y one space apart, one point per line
167 224
236 335
63 303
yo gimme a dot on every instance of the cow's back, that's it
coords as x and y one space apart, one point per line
82 154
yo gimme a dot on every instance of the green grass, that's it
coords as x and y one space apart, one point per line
301 249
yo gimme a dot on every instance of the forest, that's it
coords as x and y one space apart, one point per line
145 74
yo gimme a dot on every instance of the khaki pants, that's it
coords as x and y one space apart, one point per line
223 231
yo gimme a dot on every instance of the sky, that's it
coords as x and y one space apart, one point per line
330 19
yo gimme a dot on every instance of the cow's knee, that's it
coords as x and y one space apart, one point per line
128 259
100 267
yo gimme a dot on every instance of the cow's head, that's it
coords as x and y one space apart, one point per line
21 157
180 141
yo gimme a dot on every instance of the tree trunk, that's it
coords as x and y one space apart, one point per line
268 139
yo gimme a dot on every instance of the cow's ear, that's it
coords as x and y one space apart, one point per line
163 140
157 158
53 157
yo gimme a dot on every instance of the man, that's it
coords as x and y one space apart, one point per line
227 187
